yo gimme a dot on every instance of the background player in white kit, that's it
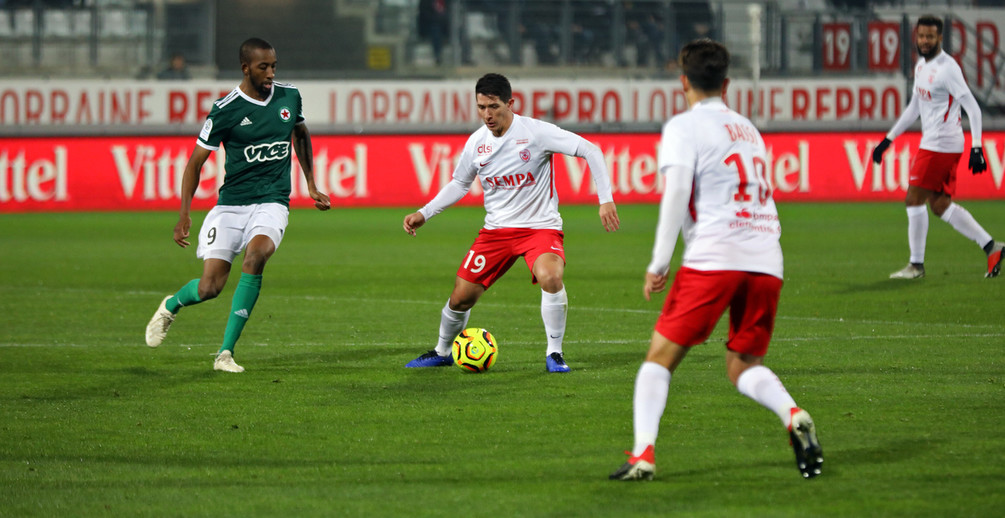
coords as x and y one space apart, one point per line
511 156
716 189
939 92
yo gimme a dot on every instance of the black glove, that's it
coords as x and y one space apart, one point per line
877 154
977 163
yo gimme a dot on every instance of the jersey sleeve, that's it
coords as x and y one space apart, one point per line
214 130
598 169
677 161
956 85
300 106
457 187
557 140
464 171
911 113
675 149
673 211
973 110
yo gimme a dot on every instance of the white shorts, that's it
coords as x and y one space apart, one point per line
228 229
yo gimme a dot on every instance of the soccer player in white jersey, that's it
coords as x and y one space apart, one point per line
255 123
511 156
939 92
718 194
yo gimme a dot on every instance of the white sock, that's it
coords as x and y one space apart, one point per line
965 224
451 324
761 385
651 387
554 308
917 232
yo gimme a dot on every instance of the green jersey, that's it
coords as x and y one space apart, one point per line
256 137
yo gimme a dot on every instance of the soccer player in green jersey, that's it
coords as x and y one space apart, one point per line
254 123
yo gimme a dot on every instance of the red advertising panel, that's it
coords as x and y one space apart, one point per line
836 46
884 46
144 173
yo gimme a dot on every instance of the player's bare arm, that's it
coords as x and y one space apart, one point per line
655 283
305 155
189 183
609 216
412 222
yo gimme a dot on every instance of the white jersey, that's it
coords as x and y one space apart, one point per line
938 88
517 175
732 223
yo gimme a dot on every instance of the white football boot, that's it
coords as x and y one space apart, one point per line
225 362
909 272
159 324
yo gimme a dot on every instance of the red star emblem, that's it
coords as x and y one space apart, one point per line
285 114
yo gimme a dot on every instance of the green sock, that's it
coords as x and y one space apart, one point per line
245 296
186 296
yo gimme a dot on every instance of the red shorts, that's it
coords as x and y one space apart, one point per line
698 298
935 171
494 251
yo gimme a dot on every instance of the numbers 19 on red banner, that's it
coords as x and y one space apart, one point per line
836 46
884 46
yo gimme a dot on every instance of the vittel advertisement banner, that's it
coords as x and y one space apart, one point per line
145 173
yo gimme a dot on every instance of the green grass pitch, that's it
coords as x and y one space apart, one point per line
905 379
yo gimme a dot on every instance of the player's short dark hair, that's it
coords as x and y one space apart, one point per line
495 85
931 21
250 45
705 63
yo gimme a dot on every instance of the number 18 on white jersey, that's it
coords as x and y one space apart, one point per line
732 223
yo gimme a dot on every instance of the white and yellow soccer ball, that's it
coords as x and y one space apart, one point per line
475 349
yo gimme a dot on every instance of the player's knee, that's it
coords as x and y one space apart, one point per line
254 263
939 205
549 280
209 290
462 302
914 197
461 306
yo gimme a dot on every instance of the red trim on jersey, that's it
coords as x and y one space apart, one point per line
690 206
551 189
945 117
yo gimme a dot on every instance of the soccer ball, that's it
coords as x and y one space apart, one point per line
475 349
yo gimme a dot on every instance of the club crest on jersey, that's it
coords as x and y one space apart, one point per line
285 114
524 155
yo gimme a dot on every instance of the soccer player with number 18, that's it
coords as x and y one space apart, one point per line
718 193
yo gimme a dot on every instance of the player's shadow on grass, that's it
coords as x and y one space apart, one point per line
896 451
201 459
837 460
880 285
